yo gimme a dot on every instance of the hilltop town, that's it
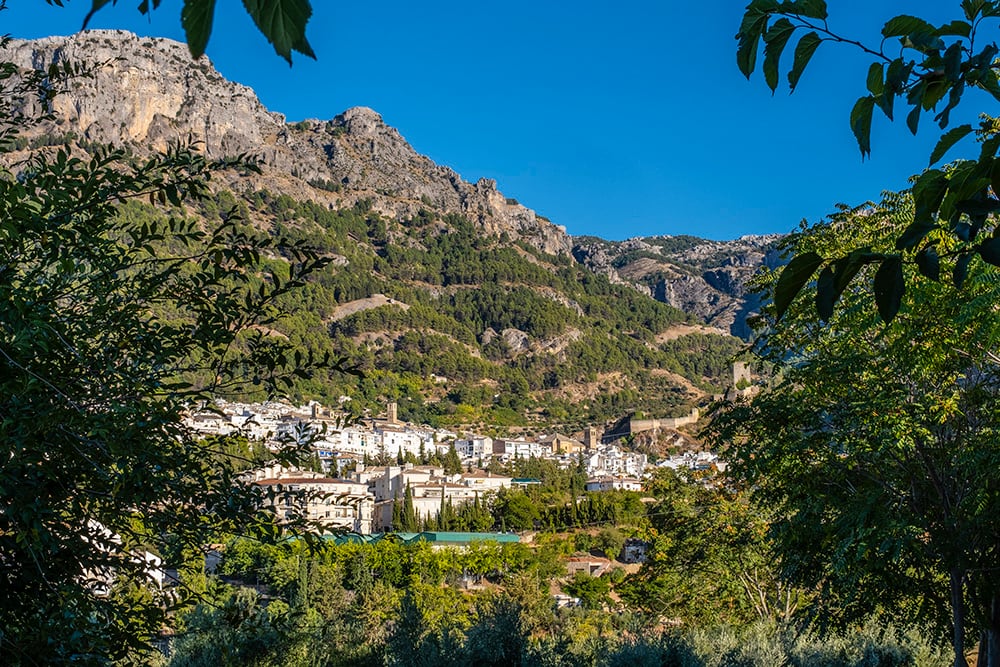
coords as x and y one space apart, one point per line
364 470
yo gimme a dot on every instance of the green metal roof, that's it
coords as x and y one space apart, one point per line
438 537
459 538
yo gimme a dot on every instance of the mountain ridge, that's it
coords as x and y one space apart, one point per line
145 92
458 303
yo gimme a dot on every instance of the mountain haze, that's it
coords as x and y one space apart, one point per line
463 305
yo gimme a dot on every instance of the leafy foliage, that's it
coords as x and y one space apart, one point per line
282 22
410 608
870 444
96 467
931 71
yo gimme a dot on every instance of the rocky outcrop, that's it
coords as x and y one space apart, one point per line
705 278
147 92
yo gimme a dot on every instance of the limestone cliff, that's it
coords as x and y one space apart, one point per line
701 277
147 92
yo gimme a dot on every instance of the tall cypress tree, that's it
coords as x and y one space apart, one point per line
397 513
409 513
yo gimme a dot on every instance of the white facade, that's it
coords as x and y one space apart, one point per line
518 449
338 504
613 484
475 447
610 460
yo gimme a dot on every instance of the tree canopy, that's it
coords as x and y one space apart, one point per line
101 316
929 69
874 442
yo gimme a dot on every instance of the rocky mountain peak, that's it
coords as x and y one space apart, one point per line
362 121
148 92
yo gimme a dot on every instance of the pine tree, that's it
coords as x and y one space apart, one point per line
452 462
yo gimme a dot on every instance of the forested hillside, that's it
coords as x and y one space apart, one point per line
461 327
463 306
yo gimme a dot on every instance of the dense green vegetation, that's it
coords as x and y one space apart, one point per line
438 347
888 385
101 315
862 496
389 602
872 441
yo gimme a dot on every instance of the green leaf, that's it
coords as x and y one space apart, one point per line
835 278
961 269
929 263
793 277
903 25
283 23
889 288
995 177
861 123
953 62
96 6
848 267
991 8
896 75
746 55
933 93
774 44
885 102
812 9
954 97
804 51
196 18
876 79
914 234
928 192
955 29
913 119
751 29
924 42
979 206
825 293
949 139
988 82
971 8
963 231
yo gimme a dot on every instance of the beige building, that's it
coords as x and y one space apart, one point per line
561 444
429 489
485 481
336 504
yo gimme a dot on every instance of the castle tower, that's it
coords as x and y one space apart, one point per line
741 375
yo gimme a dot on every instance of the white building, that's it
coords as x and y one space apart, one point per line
613 484
337 504
507 450
609 460
475 447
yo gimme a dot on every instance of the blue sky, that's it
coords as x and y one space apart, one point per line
617 120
